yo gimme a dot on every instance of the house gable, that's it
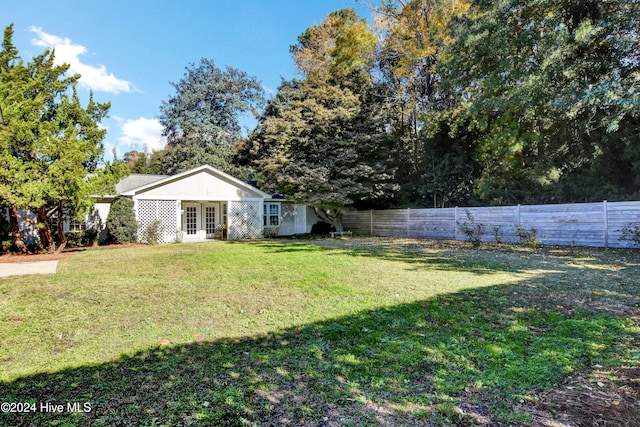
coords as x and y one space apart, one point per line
202 183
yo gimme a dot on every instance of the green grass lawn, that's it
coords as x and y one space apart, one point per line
327 332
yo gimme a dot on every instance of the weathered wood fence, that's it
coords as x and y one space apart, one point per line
578 224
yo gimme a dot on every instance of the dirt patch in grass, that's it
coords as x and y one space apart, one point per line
597 398
13 258
9 257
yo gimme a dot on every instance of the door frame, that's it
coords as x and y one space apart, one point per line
216 218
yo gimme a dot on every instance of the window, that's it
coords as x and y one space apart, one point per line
77 227
271 214
224 213
73 226
210 219
192 220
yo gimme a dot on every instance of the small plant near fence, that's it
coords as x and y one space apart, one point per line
152 234
631 233
471 229
497 233
527 237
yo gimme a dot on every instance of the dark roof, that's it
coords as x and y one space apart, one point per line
136 180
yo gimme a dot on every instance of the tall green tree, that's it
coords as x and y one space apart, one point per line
545 84
433 169
50 146
322 140
202 119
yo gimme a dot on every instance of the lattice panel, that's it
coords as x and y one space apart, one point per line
163 210
245 220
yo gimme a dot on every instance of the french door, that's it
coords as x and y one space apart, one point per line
210 221
191 221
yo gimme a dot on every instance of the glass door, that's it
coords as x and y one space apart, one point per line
210 221
191 220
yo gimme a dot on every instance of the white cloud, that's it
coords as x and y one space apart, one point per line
141 133
95 78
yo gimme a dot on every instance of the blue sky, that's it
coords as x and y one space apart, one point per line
129 51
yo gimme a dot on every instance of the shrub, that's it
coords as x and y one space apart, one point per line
121 222
153 232
631 232
89 237
271 232
74 239
497 233
5 227
527 237
472 230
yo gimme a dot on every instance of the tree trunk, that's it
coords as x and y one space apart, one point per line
63 238
46 238
332 216
15 230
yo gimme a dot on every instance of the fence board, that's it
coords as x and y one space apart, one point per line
580 224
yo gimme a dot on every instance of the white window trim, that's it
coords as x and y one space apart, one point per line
266 214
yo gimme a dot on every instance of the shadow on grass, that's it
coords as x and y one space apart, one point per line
455 359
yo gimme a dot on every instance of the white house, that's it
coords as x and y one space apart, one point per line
194 204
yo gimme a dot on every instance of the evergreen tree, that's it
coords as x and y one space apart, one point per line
49 143
122 226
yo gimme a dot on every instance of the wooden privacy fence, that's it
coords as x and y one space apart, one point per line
578 224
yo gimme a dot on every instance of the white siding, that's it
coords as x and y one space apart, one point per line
200 186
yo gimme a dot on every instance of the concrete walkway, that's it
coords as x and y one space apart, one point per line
21 268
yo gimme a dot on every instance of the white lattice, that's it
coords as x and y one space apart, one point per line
245 220
163 210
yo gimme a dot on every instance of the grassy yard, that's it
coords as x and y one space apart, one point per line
328 332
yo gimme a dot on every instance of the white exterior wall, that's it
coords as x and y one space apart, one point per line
293 219
198 187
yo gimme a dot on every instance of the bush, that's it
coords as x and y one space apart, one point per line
631 232
89 237
472 230
497 233
527 237
153 232
5 227
121 222
74 239
271 232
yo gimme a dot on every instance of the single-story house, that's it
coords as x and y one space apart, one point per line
194 204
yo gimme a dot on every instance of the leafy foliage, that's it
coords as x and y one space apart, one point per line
152 233
631 232
528 77
528 237
202 120
49 142
122 226
322 140
472 229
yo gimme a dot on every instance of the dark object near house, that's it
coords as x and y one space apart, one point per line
322 228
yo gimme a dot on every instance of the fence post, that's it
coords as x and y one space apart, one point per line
455 223
408 215
606 223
